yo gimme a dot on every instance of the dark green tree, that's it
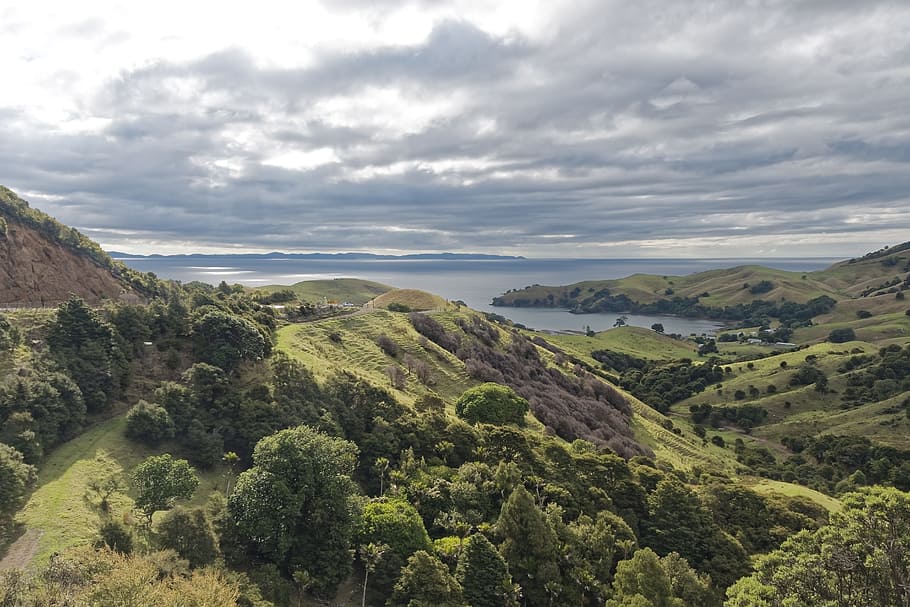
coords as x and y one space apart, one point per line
87 348
426 582
225 340
15 478
483 574
396 524
296 506
861 558
160 480
190 533
149 423
839 336
642 576
529 547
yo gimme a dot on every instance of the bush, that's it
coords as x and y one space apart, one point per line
149 423
190 534
863 314
839 336
491 403
398 307
116 536
387 345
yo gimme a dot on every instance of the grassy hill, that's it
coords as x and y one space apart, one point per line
411 299
353 290
875 279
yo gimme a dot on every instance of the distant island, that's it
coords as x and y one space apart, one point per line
279 255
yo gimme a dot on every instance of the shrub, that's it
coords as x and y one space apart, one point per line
387 345
491 403
839 336
116 536
863 314
149 423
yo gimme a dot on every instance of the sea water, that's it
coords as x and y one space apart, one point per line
474 282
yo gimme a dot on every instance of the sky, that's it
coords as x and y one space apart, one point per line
600 129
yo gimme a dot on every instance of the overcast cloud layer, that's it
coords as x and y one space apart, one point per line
577 129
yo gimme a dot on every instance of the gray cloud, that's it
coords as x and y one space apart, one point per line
623 122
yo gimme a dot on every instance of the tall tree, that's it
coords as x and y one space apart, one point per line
529 547
397 525
861 558
642 576
483 574
296 506
426 582
87 348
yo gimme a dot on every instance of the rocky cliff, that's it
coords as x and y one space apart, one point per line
43 262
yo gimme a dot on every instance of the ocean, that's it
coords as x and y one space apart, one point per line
474 282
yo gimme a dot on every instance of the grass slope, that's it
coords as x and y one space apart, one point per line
636 341
414 299
349 344
353 290
63 510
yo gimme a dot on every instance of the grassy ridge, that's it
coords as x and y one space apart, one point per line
412 299
349 344
353 290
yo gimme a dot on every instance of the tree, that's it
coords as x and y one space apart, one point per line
483 574
149 423
397 525
86 347
295 507
658 327
15 478
643 576
370 555
839 336
160 480
190 534
426 582
529 547
9 335
225 340
861 558
491 403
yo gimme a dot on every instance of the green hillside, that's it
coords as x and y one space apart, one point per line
410 299
338 290
875 280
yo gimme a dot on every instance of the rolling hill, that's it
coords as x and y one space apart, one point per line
352 290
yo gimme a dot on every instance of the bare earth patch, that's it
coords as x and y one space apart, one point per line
22 551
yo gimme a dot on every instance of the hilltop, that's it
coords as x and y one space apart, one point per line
43 262
352 290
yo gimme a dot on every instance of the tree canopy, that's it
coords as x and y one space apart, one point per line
491 403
